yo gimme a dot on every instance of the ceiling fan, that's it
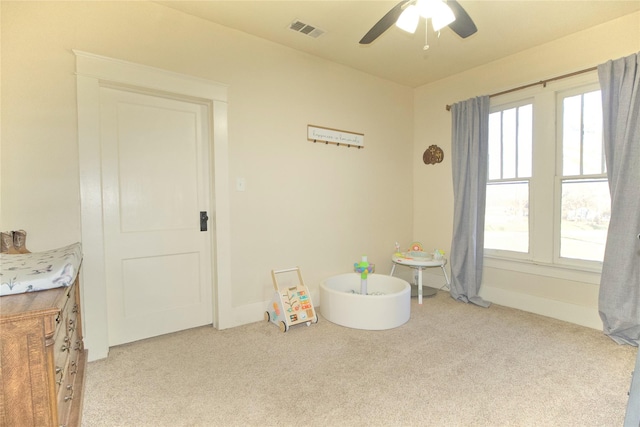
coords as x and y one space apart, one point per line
406 14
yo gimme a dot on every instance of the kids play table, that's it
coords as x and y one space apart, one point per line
419 261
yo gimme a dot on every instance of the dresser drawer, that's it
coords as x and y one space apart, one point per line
70 391
62 346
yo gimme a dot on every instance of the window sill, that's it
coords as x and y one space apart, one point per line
577 274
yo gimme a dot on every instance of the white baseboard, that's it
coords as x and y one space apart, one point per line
244 314
580 315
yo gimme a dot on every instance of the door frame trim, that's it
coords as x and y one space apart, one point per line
93 72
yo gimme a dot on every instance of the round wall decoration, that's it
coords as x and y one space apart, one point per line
433 155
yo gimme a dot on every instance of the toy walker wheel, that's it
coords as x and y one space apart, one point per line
267 317
283 327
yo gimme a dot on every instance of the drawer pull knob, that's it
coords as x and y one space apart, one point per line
65 347
70 396
59 371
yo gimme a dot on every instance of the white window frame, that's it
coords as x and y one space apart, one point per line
499 252
544 229
559 178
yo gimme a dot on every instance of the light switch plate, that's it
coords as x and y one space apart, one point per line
241 184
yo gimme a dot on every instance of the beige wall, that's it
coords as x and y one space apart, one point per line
572 297
315 206
319 207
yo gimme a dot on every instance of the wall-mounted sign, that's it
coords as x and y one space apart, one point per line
335 136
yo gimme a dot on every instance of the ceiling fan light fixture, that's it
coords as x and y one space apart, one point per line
461 23
442 16
427 8
408 20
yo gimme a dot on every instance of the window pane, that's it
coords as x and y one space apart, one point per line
571 135
525 138
592 143
586 208
495 157
507 217
509 129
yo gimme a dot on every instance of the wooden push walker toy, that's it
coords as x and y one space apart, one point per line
290 305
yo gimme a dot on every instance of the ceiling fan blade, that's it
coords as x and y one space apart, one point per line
463 25
384 23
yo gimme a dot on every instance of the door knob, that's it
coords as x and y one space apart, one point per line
203 220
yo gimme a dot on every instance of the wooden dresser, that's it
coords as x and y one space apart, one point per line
42 358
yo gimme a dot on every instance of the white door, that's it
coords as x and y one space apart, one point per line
155 180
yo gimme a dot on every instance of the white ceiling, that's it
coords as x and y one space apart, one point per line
504 28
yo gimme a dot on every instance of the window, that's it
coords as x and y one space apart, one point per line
507 211
585 201
547 191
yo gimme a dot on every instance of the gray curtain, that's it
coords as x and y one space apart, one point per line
469 154
619 299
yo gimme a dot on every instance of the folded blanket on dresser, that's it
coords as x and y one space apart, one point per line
38 271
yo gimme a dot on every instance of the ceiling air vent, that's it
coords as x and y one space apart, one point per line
309 30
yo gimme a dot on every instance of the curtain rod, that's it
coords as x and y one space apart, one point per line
541 82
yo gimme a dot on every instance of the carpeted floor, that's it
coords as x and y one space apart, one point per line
452 364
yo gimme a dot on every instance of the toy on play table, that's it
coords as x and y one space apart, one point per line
290 305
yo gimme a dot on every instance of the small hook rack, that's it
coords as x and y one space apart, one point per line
335 136
338 144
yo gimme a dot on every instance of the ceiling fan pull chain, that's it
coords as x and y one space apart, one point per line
426 33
